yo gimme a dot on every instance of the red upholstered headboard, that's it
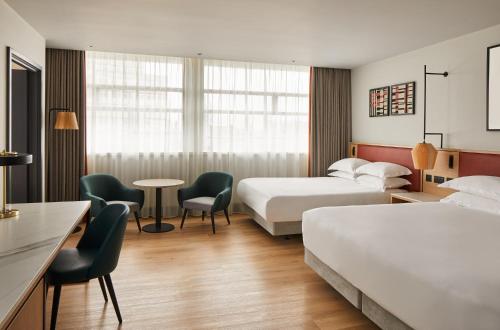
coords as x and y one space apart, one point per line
396 155
477 163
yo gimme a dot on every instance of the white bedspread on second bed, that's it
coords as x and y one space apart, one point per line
285 199
433 265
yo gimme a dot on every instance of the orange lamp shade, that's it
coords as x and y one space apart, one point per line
66 120
424 156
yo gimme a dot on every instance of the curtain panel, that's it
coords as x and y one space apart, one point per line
167 117
65 149
330 118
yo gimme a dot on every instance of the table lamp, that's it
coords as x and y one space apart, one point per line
10 158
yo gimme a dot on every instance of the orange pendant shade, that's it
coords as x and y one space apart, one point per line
66 120
424 156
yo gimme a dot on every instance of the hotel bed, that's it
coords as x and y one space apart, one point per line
422 265
277 204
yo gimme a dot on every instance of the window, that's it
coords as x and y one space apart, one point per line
250 108
139 104
134 103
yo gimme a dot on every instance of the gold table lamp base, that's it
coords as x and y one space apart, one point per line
4 214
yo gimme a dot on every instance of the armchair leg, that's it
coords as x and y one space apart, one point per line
184 217
213 221
202 215
55 306
227 216
103 288
136 214
109 284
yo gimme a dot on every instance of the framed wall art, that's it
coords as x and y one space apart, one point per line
379 102
403 99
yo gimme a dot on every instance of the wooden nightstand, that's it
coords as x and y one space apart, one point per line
414 197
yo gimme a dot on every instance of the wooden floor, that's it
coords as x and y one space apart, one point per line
240 278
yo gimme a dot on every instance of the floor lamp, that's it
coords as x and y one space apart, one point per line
65 120
424 154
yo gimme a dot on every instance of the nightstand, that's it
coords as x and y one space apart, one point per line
414 197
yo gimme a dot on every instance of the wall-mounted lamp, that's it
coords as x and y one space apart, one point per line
424 154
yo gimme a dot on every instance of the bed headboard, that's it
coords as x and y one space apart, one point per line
450 164
479 163
392 154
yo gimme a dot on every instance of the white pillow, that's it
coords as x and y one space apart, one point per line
473 201
380 183
383 170
348 164
480 185
342 174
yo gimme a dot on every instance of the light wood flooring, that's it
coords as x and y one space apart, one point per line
240 278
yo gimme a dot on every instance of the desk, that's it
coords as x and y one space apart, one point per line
28 244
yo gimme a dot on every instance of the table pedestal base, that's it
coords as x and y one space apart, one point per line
154 228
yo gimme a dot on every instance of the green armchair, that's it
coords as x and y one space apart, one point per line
211 192
104 189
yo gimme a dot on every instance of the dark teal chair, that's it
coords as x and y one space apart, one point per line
95 256
211 192
105 189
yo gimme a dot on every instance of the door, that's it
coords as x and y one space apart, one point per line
24 129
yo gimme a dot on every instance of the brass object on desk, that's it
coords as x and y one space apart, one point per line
11 158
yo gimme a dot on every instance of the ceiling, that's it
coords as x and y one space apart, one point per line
331 33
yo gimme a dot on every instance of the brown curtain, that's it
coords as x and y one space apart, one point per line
330 118
64 149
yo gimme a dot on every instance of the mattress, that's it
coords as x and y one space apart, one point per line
432 265
285 199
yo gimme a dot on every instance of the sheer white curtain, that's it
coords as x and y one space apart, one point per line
155 116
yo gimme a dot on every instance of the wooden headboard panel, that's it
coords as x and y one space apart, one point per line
446 168
396 155
479 163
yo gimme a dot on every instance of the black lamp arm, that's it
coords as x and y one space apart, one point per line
440 135
444 74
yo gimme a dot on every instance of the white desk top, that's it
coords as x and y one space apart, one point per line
28 244
158 183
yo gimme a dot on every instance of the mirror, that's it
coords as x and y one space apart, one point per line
493 94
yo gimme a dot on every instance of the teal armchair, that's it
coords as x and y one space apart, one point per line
211 192
95 256
104 189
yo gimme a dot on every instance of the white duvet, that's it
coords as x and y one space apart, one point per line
285 199
433 265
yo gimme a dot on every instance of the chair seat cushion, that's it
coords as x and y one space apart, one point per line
199 203
71 266
134 207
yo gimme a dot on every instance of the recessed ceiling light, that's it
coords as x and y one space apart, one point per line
293 61
90 46
199 54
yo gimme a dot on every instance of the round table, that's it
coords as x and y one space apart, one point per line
158 184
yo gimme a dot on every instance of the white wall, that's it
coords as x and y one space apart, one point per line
19 35
456 106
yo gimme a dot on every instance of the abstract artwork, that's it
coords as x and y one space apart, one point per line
403 99
379 102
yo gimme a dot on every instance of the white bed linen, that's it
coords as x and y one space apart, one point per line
433 265
285 199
